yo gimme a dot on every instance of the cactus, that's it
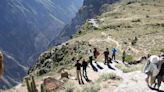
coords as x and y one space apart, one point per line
28 85
42 88
31 86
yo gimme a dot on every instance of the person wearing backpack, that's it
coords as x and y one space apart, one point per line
106 55
96 54
152 69
1 64
114 54
160 75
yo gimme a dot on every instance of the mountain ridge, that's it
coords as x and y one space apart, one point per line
27 27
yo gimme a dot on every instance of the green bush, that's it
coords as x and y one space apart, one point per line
127 69
162 50
129 58
91 88
109 76
69 87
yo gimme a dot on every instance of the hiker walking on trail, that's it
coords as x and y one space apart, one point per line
78 66
84 65
114 54
152 69
123 56
96 54
161 72
106 55
1 64
90 53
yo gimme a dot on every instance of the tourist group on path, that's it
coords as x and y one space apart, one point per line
154 67
93 55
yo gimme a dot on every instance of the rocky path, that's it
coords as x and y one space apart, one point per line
94 22
132 82
135 82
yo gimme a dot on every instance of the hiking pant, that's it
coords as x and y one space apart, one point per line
123 59
79 76
95 58
150 79
113 57
106 60
90 60
159 79
85 72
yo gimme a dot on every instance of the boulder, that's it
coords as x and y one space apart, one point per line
51 84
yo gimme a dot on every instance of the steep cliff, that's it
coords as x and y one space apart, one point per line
90 9
26 29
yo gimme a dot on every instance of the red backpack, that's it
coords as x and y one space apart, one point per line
97 53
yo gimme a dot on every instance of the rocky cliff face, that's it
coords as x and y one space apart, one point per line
26 29
90 9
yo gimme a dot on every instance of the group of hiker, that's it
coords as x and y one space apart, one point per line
154 69
92 56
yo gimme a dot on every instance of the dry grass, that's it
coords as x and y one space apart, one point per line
130 68
109 76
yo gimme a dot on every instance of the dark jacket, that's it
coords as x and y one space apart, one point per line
78 66
161 72
84 64
106 53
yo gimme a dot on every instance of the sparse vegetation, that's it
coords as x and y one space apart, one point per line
162 50
61 56
129 58
137 20
109 76
130 68
69 87
91 88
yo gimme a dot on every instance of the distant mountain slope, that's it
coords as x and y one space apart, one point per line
90 9
26 29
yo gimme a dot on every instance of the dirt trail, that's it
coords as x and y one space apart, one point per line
108 39
135 82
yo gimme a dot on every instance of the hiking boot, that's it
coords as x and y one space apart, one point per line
79 82
82 82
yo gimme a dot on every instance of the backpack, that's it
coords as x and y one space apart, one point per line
97 53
